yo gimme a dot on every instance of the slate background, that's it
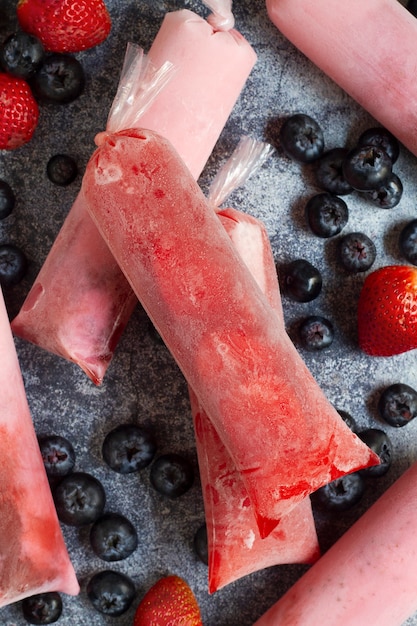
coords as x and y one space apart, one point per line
143 383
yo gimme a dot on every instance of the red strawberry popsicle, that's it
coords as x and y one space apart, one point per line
33 555
80 301
281 432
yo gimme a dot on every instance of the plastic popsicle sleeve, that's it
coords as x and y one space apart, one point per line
80 302
366 577
283 435
34 558
347 45
235 548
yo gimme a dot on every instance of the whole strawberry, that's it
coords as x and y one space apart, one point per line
170 602
65 25
19 112
387 311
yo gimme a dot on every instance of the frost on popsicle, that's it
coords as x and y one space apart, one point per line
80 302
33 555
283 435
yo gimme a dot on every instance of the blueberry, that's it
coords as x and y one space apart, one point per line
21 54
128 448
61 169
42 608
111 593
397 404
58 455
412 7
301 281
329 172
382 138
326 214
7 199
301 138
348 419
341 494
378 441
200 544
13 265
408 242
59 80
172 475
79 499
367 168
357 252
113 537
388 195
316 333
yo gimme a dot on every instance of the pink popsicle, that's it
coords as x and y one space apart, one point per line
80 302
33 555
367 576
346 43
281 432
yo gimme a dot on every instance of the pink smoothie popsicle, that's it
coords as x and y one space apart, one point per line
367 576
347 44
281 432
80 301
33 555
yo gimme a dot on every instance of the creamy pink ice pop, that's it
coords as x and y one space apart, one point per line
346 43
367 576
33 555
235 548
80 301
283 435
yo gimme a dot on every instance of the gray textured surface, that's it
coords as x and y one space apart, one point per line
143 382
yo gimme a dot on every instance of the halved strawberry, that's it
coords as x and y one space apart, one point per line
387 311
170 602
19 112
65 25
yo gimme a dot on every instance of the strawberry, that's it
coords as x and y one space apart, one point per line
387 311
19 112
170 602
65 25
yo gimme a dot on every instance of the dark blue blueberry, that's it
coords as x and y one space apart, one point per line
397 404
42 608
301 281
13 265
378 441
316 333
367 168
59 80
341 494
58 455
128 448
301 138
200 544
348 419
7 199
388 195
357 252
408 242
62 169
79 499
113 537
111 593
382 138
21 54
172 475
326 214
329 172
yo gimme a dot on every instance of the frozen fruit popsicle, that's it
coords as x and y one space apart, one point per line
283 435
235 548
80 301
367 576
378 72
33 555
